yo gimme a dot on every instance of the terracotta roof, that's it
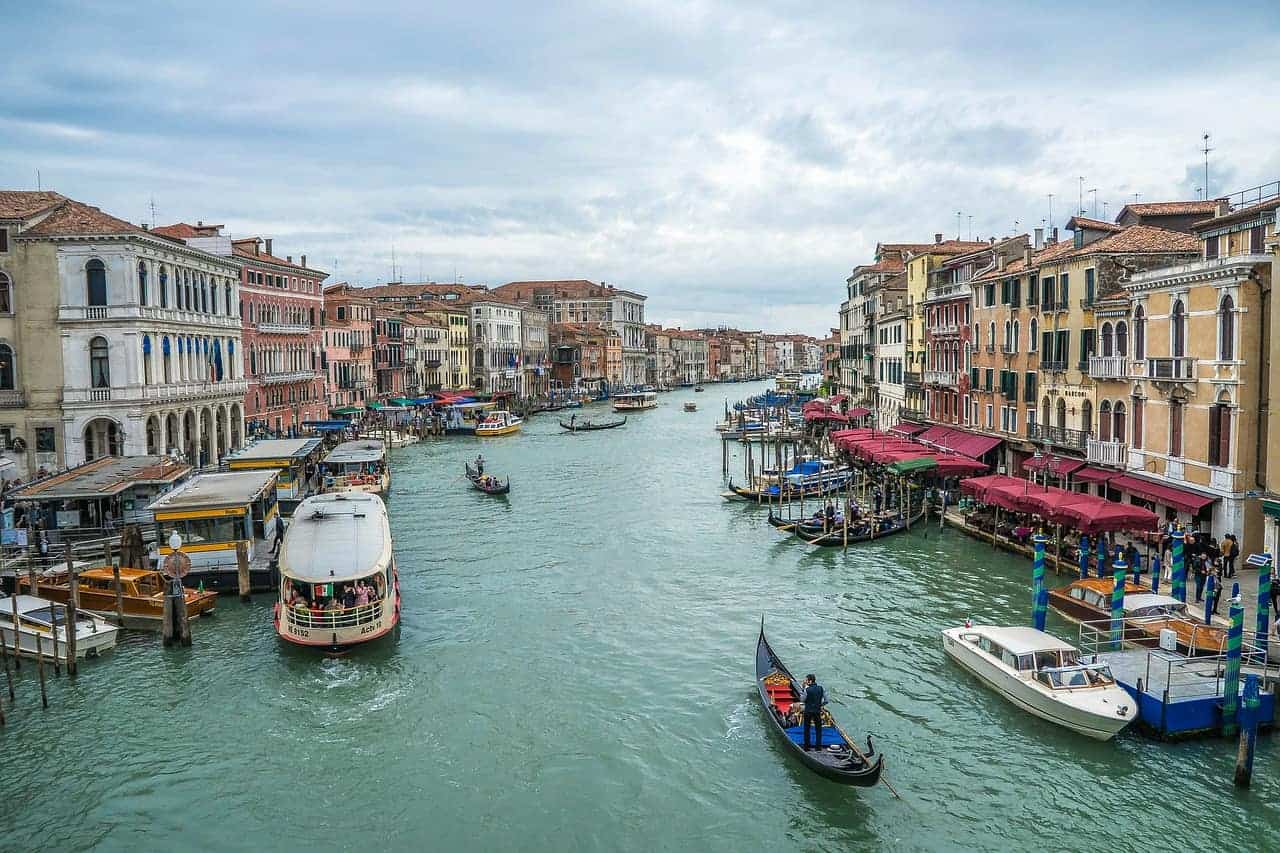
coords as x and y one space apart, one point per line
946 247
19 204
889 265
1170 208
246 247
74 218
1237 215
578 288
1076 223
185 231
1143 239
416 290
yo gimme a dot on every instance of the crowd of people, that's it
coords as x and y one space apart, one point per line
349 597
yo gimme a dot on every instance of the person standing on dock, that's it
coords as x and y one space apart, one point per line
1230 551
814 698
1202 574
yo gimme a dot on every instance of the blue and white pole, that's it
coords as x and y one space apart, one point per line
1117 605
1179 566
1084 556
1039 593
1231 675
1248 731
1102 556
1208 601
1264 610
1156 569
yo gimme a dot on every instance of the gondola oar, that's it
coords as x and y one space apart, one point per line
853 746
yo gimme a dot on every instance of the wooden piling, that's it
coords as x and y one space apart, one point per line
4 650
44 696
73 604
242 569
17 662
57 667
115 583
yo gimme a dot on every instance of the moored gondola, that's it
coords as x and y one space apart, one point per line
587 425
486 483
840 759
812 530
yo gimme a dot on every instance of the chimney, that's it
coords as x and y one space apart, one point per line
199 223
1026 256
1223 207
1055 234
304 260
288 258
1039 243
937 238
991 241
144 227
268 245
999 260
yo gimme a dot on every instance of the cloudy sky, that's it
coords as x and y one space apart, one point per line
733 160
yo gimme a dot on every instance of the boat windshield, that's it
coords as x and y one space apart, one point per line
227 528
1173 609
1068 677
46 615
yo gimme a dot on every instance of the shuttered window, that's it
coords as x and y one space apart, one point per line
1029 387
1220 435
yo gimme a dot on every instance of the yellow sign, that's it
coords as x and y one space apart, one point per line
201 513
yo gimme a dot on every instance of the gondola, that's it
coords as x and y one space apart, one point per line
812 533
790 493
588 425
845 763
475 478
699 388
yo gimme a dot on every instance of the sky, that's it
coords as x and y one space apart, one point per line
731 160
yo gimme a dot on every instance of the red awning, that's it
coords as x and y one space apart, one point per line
836 398
825 416
1058 466
1050 504
1110 516
1180 499
906 428
859 412
934 434
974 446
950 465
1089 474
977 486
1006 495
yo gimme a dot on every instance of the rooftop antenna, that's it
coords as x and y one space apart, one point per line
1094 192
971 227
1050 211
1136 196
1104 209
1206 151
1199 193
958 215
1080 198
393 262
39 184
152 205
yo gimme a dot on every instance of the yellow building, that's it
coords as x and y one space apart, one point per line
455 319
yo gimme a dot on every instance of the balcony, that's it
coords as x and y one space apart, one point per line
946 329
433 363
104 313
1171 369
195 390
285 377
283 328
12 400
1058 436
991 348
1053 366
1108 367
949 378
913 415
1008 349
911 378
1114 453
1087 304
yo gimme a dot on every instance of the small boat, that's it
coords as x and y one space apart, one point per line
635 402
1145 615
698 388
486 483
393 438
691 406
141 594
336 541
839 760
358 466
1043 676
498 423
42 628
587 425
835 536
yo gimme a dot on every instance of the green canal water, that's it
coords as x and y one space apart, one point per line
575 672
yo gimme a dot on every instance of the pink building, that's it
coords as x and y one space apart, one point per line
282 304
348 345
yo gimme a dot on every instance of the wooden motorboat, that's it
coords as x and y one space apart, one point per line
1146 614
691 406
141 593
498 423
42 629
839 759
868 529
588 425
486 483
1043 676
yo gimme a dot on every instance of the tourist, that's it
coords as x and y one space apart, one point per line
1230 551
1216 572
878 498
814 698
1202 574
1131 557
333 605
362 594
348 597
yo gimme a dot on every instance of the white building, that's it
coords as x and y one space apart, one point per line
890 356
496 346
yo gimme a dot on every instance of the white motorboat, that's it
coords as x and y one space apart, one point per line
42 625
393 438
1044 676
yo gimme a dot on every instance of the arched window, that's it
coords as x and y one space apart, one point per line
1086 417
142 282
1226 329
1220 432
227 291
164 287
204 296
1008 335
1122 338
1139 333
1137 423
165 357
95 273
187 294
253 361
991 335
1107 344
99 363
146 359
1033 337
1178 329
1175 427
1062 414
6 368
1117 422
1104 421
1044 411
6 294
1016 335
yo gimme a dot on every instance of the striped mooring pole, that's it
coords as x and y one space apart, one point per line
1208 600
1179 567
1117 605
1039 592
1102 556
1231 675
1084 556
1264 607
1156 568
1248 731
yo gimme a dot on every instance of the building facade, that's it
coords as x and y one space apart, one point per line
348 346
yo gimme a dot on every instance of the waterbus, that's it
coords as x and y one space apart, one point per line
338 581
296 459
357 466
215 512
635 402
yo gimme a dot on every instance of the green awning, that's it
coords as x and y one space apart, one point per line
346 410
401 401
908 466
1271 508
377 407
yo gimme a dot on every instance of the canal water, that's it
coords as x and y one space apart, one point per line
575 672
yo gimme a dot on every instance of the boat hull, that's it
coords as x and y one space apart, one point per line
88 644
336 638
493 432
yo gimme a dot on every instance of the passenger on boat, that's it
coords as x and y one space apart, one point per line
333 605
814 698
828 516
348 597
362 594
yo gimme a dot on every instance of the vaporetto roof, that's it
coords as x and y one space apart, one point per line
336 537
361 450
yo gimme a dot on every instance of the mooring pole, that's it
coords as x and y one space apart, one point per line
1231 674
1248 731
73 604
1179 566
1117 605
1261 626
1039 593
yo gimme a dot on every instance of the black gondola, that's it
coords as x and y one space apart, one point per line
587 425
811 530
478 483
839 760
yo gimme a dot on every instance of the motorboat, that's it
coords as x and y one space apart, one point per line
635 402
691 406
1044 676
393 438
141 594
357 466
1145 615
42 629
498 423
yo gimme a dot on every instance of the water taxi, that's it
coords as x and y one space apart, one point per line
213 513
463 418
296 459
635 402
357 466
42 629
394 438
691 406
1145 614
1043 676
338 581
141 594
500 422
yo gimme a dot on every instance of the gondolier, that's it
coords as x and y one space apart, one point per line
814 698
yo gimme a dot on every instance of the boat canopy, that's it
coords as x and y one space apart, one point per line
212 491
336 537
357 452
278 450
